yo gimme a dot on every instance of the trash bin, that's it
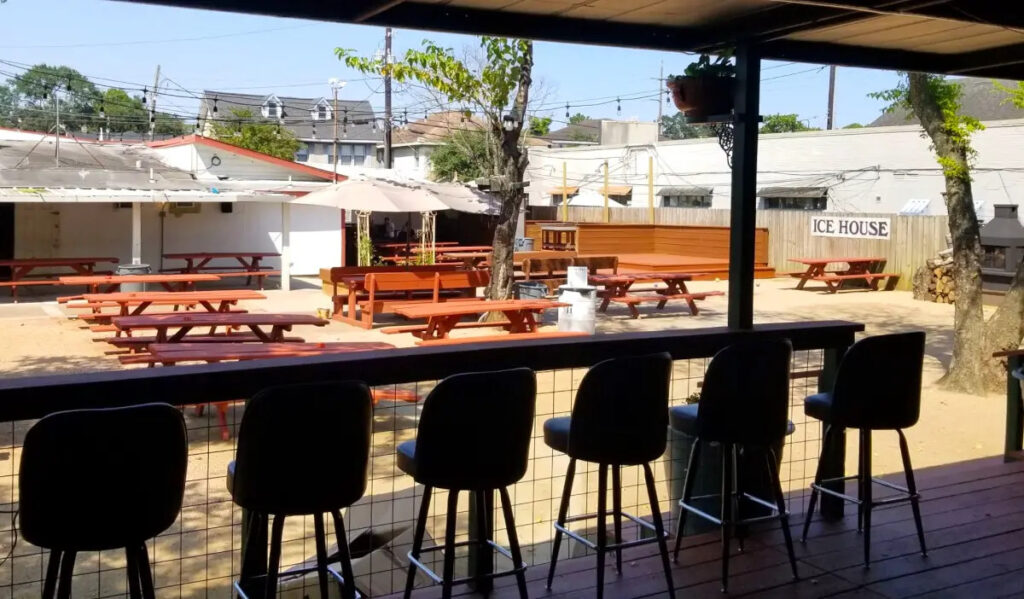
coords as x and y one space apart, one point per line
530 290
133 269
524 244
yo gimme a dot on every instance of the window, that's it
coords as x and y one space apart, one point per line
322 112
303 154
272 110
686 201
794 198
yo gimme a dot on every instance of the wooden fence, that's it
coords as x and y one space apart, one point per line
913 239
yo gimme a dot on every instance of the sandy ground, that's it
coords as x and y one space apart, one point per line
199 555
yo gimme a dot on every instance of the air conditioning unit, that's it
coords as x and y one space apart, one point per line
179 208
120 205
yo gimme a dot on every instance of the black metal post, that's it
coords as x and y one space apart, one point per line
833 457
1014 408
743 214
481 556
254 554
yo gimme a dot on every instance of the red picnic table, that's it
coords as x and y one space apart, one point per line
863 269
249 261
112 283
469 259
443 317
185 322
21 268
619 288
135 303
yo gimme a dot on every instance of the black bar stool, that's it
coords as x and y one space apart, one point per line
303 450
877 387
743 408
94 480
474 435
619 419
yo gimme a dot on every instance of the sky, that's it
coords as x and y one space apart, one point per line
115 43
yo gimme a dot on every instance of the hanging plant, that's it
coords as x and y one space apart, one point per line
706 88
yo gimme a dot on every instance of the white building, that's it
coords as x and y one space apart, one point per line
872 169
412 144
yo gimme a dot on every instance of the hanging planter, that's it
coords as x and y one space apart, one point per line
706 89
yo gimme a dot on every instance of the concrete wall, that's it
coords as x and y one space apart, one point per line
875 169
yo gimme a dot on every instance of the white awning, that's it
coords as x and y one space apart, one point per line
60 195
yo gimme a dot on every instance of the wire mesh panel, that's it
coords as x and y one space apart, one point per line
200 555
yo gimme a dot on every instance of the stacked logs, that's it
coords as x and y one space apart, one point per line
934 281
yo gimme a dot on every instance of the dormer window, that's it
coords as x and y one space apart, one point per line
321 111
272 108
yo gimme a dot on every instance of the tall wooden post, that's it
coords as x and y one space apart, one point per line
743 213
650 188
606 219
565 195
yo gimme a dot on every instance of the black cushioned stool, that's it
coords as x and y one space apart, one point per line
474 435
619 419
743 407
303 450
94 480
877 387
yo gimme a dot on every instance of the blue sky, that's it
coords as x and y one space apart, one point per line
231 52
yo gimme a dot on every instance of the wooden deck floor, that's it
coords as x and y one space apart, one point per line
974 525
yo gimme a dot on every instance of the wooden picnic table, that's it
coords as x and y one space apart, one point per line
863 268
469 259
455 248
619 288
249 261
135 303
173 353
21 269
112 283
401 245
185 322
443 317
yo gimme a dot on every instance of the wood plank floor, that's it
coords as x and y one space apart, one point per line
974 525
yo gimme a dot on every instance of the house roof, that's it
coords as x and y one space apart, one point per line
981 99
436 127
586 131
298 114
213 143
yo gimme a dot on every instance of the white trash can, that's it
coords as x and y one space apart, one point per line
580 315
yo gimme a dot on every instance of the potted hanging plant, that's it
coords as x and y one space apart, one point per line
706 87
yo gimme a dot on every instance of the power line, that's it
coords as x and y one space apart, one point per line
163 41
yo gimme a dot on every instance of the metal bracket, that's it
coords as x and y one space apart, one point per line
724 127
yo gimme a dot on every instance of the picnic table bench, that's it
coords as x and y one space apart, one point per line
21 270
196 262
112 283
520 321
867 269
185 322
338 282
384 291
619 288
135 303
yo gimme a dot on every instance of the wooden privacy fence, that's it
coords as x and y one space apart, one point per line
913 239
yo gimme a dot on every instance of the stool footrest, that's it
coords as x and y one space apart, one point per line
438 580
752 520
293 573
611 546
907 495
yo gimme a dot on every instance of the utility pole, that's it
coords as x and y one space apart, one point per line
661 87
831 96
56 129
152 104
387 99
334 112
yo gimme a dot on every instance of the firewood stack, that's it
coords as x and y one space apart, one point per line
934 281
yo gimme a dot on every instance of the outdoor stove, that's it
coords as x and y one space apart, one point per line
1002 245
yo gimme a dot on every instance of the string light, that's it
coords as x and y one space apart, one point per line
215 105
618 106
145 92
567 110
405 117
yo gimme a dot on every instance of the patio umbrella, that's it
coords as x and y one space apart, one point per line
374 195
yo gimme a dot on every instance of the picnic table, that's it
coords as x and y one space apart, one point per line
865 269
469 259
21 270
185 322
248 261
135 303
112 283
443 317
619 288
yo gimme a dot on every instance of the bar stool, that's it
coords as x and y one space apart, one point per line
743 408
303 450
877 387
619 419
94 480
474 435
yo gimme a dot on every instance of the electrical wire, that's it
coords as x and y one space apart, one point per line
163 41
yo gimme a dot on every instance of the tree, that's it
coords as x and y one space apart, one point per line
266 137
38 89
577 118
8 106
498 87
935 102
170 125
540 125
675 126
854 126
123 112
462 157
784 123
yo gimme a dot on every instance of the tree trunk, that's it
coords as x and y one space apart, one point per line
967 368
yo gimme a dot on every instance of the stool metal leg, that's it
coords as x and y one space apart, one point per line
737 510
912 489
817 481
563 511
417 540
132 570
860 483
276 532
67 568
449 545
727 518
513 542
602 531
321 553
349 590
780 502
52 572
688 483
865 497
659 529
145 574
617 509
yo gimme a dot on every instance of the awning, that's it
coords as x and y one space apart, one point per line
61 195
619 190
557 191
792 192
690 190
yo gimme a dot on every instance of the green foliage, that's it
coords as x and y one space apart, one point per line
123 112
957 127
706 67
36 89
674 126
784 123
854 126
540 125
364 246
8 106
463 156
1014 95
246 131
577 118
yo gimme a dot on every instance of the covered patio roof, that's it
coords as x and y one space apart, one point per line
983 39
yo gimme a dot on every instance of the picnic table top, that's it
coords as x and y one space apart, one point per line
639 276
183 296
428 310
467 254
456 248
153 278
818 261
54 261
218 319
189 352
186 255
401 244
